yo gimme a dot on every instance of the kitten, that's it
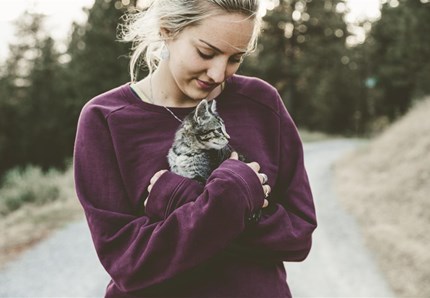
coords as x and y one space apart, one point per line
200 144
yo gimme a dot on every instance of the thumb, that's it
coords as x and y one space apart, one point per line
234 155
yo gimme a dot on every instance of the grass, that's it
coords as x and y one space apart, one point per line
308 136
33 204
386 186
30 185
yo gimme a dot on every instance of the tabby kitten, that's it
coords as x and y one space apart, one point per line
200 144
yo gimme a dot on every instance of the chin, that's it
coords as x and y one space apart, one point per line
198 95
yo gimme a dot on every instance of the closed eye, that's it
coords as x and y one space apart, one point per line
205 56
208 57
236 60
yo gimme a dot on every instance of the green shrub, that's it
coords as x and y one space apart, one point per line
30 185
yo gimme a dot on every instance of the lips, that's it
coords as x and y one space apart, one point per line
205 85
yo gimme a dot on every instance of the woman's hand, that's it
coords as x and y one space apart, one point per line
263 177
152 182
253 165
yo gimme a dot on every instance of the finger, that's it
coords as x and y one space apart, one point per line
234 155
156 176
267 190
263 178
255 166
266 203
260 177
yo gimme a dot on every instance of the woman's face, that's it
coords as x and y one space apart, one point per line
204 56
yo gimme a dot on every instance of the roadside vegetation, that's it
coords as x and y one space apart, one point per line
32 205
30 185
330 82
386 186
308 136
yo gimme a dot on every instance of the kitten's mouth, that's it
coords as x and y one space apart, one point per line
220 145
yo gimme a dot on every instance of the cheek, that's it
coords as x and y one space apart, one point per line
231 70
187 64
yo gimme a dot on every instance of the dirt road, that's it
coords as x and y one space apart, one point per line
339 265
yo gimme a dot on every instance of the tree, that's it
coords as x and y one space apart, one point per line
98 61
399 46
16 121
301 51
43 115
43 90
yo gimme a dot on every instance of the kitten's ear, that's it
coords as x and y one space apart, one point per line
212 104
201 111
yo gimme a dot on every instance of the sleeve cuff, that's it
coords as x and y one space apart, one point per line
169 193
245 175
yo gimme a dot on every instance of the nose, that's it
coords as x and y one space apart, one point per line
217 71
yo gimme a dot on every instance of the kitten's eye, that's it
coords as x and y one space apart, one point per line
205 56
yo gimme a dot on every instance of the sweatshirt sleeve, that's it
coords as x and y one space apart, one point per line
170 192
137 252
284 231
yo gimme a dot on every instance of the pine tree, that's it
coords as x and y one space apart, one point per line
325 103
98 61
300 53
44 140
16 118
41 97
399 46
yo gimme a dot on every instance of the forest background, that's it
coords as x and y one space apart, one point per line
328 84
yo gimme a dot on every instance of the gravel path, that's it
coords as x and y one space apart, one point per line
339 265
65 265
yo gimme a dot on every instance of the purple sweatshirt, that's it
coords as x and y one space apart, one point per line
193 240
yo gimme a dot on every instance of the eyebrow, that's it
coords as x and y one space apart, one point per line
218 50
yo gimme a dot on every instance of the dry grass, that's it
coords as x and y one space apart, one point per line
33 222
308 136
386 185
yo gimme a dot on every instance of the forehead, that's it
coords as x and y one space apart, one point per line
228 32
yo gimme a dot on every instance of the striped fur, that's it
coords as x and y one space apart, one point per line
200 144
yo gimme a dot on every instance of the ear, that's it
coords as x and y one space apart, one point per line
165 33
201 111
212 104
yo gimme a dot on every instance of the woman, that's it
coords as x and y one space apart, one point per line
162 235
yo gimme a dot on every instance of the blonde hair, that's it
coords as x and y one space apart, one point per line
144 27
